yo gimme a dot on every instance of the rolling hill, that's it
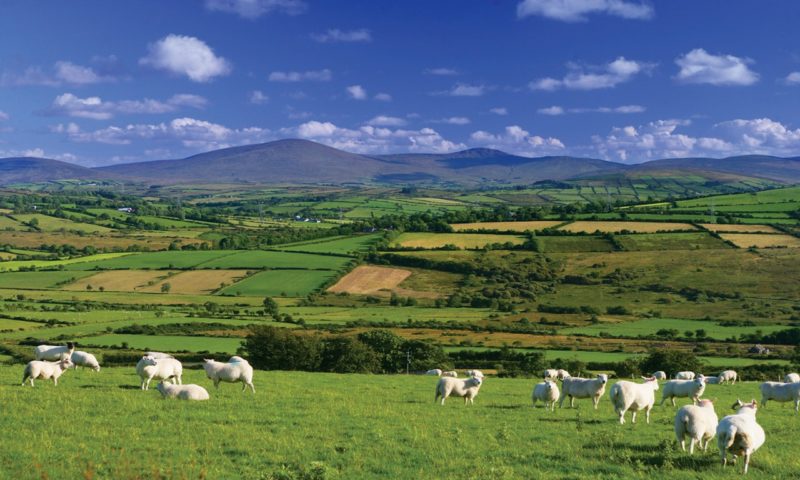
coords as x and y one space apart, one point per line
36 170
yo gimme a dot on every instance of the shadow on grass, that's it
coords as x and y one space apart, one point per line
129 387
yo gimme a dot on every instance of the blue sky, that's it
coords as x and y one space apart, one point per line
97 82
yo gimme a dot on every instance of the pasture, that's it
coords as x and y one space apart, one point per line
615 227
459 240
759 240
285 283
506 226
366 279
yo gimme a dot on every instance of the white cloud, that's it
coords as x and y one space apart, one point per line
323 75
257 97
357 92
255 8
386 121
441 71
184 55
73 74
455 120
3 116
793 78
373 139
556 110
699 66
335 35
764 136
499 111
516 140
383 97
96 108
609 75
465 90
38 152
63 73
578 10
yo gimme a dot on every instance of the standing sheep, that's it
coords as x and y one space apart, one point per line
45 370
561 374
53 352
231 372
576 387
698 422
634 397
467 388
791 378
740 434
158 355
660 375
728 376
781 392
451 373
684 376
547 392
683 388
182 392
84 359
149 368
437 372
550 373
712 380
475 373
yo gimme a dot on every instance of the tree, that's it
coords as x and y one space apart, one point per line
165 287
274 348
670 361
388 347
349 355
271 307
426 356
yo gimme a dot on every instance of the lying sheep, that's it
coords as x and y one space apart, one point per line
684 376
781 392
45 370
791 378
149 368
698 422
475 373
547 392
467 388
728 376
550 373
53 352
435 371
576 387
451 373
660 375
561 374
634 397
231 372
712 380
740 434
683 388
84 359
182 392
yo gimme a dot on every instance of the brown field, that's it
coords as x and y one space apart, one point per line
637 227
197 281
119 280
761 240
460 240
36 239
368 279
506 226
737 228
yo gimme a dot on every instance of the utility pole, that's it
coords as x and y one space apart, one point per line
408 361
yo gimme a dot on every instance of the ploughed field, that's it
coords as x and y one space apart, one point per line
314 425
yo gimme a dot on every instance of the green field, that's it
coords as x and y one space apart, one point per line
285 283
168 343
266 259
670 241
38 280
341 245
459 240
650 326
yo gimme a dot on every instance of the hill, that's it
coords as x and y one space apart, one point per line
35 170
785 170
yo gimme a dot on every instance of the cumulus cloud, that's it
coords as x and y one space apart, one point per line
362 35
38 152
63 73
556 110
763 135
441 71
455 121
793 78
464 90
96 108
386 121
73 74
579 10
184 55
499 111
255 8
257 97
699 66
323 75
609 75
383 97
357 92
514 139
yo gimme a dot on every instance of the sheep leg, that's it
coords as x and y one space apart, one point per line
796 406
647 414
571 401
216 383
633 416
683 444
621 417
691 446
595 401
147 383
673 401
55 381
746 461
253 387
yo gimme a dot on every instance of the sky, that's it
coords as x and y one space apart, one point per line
95 82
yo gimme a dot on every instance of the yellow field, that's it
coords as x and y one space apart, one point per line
736 228
197 281
761 240
368 279
36 239
119 280
507 226
637 227
460 240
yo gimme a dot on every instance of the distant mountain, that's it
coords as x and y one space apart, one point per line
785 170
37 170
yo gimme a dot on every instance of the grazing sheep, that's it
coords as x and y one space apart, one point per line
53 352
550 373
435 371
84 359
182 392
634 397
149 368
781 392
712 380
728 376
660 375
683 388
45 370
576 387
158 355
231 372
561 374
451 373
475 373
740 434
791 378
467 388
698 422
547 392
684 376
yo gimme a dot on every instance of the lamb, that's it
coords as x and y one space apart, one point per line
781 392
231 372
475 373
435 371
698 422
547 392
85 359
561 374
576 387
45 370
740 434
634 397
158 355
684 376
451 373
660 375
182 392
550 373
162 368
53 352
684 388
791 378
467 388
728 376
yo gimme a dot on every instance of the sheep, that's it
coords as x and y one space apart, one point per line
547 392
451 373
740 434
437 372
728 376
551 373
162 368
475 373
467 388
712 380
231 372
561 374
576 387
182 392
660 375
684 376
791 378
634 397
683 388
698 422
53 352
45 370
84 359
158 355
781 392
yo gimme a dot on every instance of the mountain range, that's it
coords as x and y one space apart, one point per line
294 161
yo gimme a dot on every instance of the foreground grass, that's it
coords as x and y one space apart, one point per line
99 425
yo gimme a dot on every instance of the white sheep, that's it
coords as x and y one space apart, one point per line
158 355
231 372
45 370
182 392
149 368
698 422
437 372
684 376
712 380
550 373
683 388
635 397
660 375
561 374
451 373
547 392
576 387
728 376
740 434
467 388
475 373
781 392
791 378
85 359
53 352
